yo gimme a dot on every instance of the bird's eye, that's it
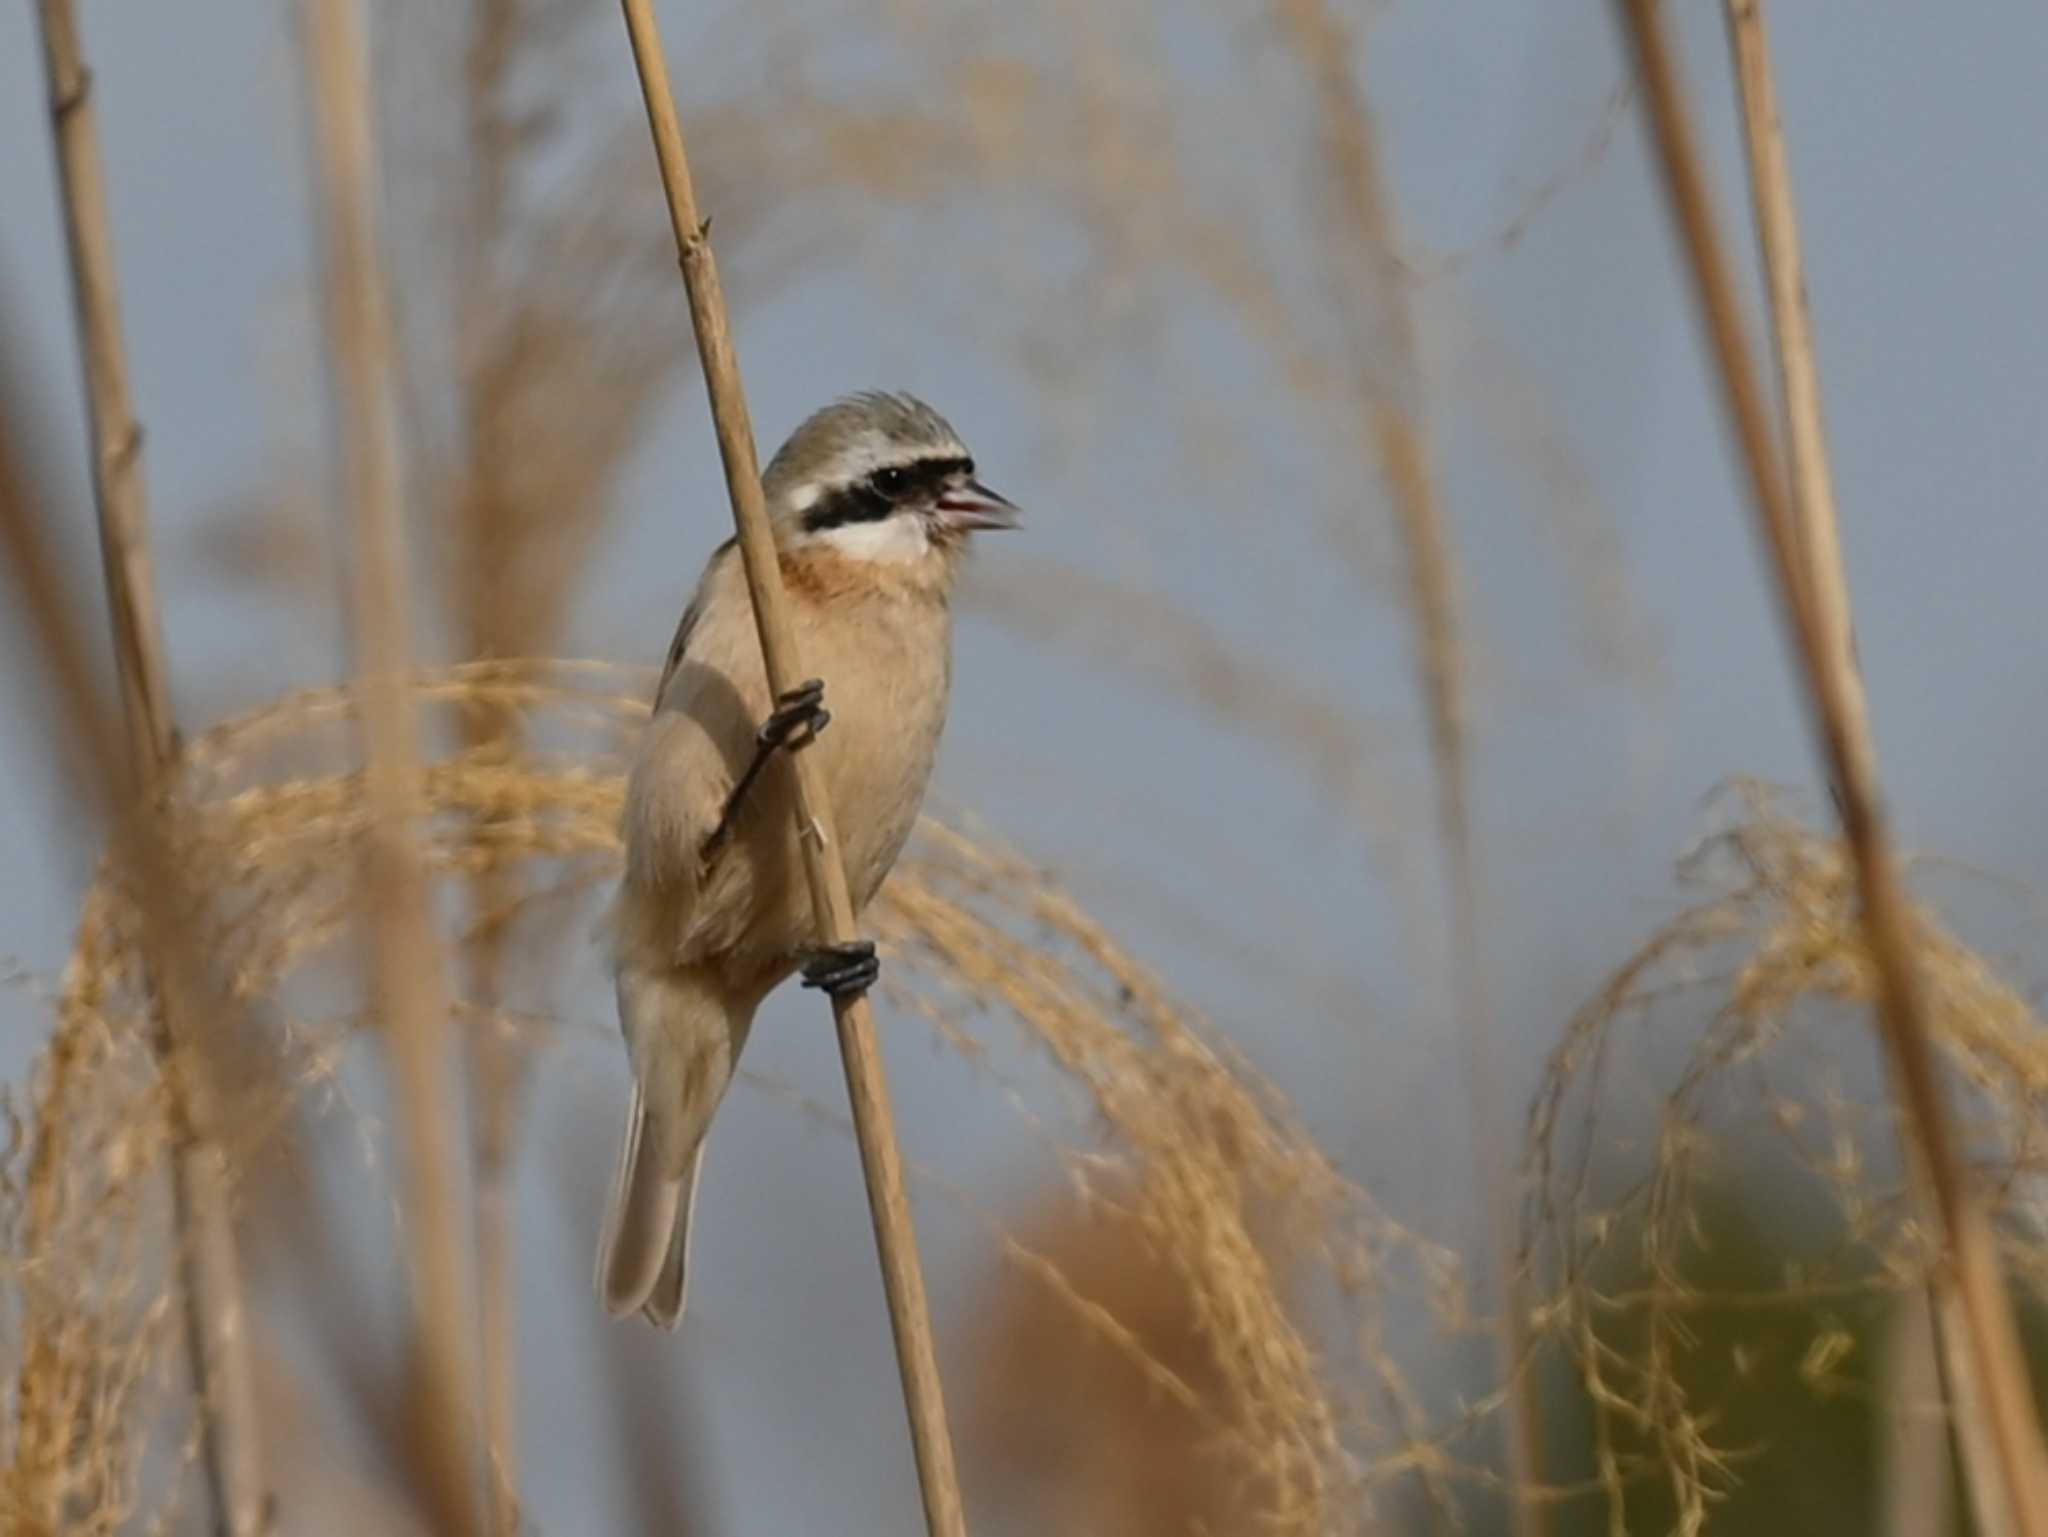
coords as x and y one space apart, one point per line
891 480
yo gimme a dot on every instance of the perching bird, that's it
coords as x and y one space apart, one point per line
872 501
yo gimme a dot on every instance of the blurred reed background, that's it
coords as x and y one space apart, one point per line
1383 1017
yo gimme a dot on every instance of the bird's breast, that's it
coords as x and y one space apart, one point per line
887 688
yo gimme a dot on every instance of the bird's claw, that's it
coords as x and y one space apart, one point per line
844 971
800 710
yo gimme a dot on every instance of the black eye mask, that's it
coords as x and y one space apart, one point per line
884 490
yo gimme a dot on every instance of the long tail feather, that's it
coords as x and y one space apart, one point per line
645 1207
665 1300
684 1035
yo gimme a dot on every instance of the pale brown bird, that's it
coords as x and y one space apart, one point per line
873 500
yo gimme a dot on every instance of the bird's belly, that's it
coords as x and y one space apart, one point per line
876 776
878 782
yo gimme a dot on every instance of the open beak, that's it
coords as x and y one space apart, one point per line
975 506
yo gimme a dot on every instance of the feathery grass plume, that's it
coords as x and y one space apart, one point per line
1774 957
1291 1279
1295 1282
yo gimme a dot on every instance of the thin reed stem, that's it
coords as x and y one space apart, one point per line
409 978
215 1308
1976 1448
1812 477
1813 596
1913 1464
1820 541
88 741
866 1084
498 1073
499 1065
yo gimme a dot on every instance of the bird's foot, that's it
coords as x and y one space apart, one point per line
800 710
844 971
799 715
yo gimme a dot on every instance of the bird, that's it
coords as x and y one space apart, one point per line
873 502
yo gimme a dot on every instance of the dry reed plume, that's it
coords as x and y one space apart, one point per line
1287 1279
1199 1159
1746 1004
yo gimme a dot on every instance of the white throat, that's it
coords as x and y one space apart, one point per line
900 537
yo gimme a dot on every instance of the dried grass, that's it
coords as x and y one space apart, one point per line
1775 959
1191 1155
1260 1320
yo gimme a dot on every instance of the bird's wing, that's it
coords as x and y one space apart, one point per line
679 647
712 699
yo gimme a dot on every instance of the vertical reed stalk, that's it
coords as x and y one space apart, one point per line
1813 596
866 1084
88 743
1812 478
215 1309
498 1065
409 983
1913 1463
1819 528
498 1073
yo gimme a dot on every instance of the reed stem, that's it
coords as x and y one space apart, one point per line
866 1083
1813 499
1798 531
410 985
215 1307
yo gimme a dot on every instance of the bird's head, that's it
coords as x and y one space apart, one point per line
879 477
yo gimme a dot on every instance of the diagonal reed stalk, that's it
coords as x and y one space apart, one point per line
1804 555
89 740
409 981
1806 444
1819 529
216 1320
866 1084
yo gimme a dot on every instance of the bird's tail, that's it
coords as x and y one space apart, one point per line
683 1042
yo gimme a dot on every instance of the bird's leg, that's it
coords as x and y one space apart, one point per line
798 716
845 970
